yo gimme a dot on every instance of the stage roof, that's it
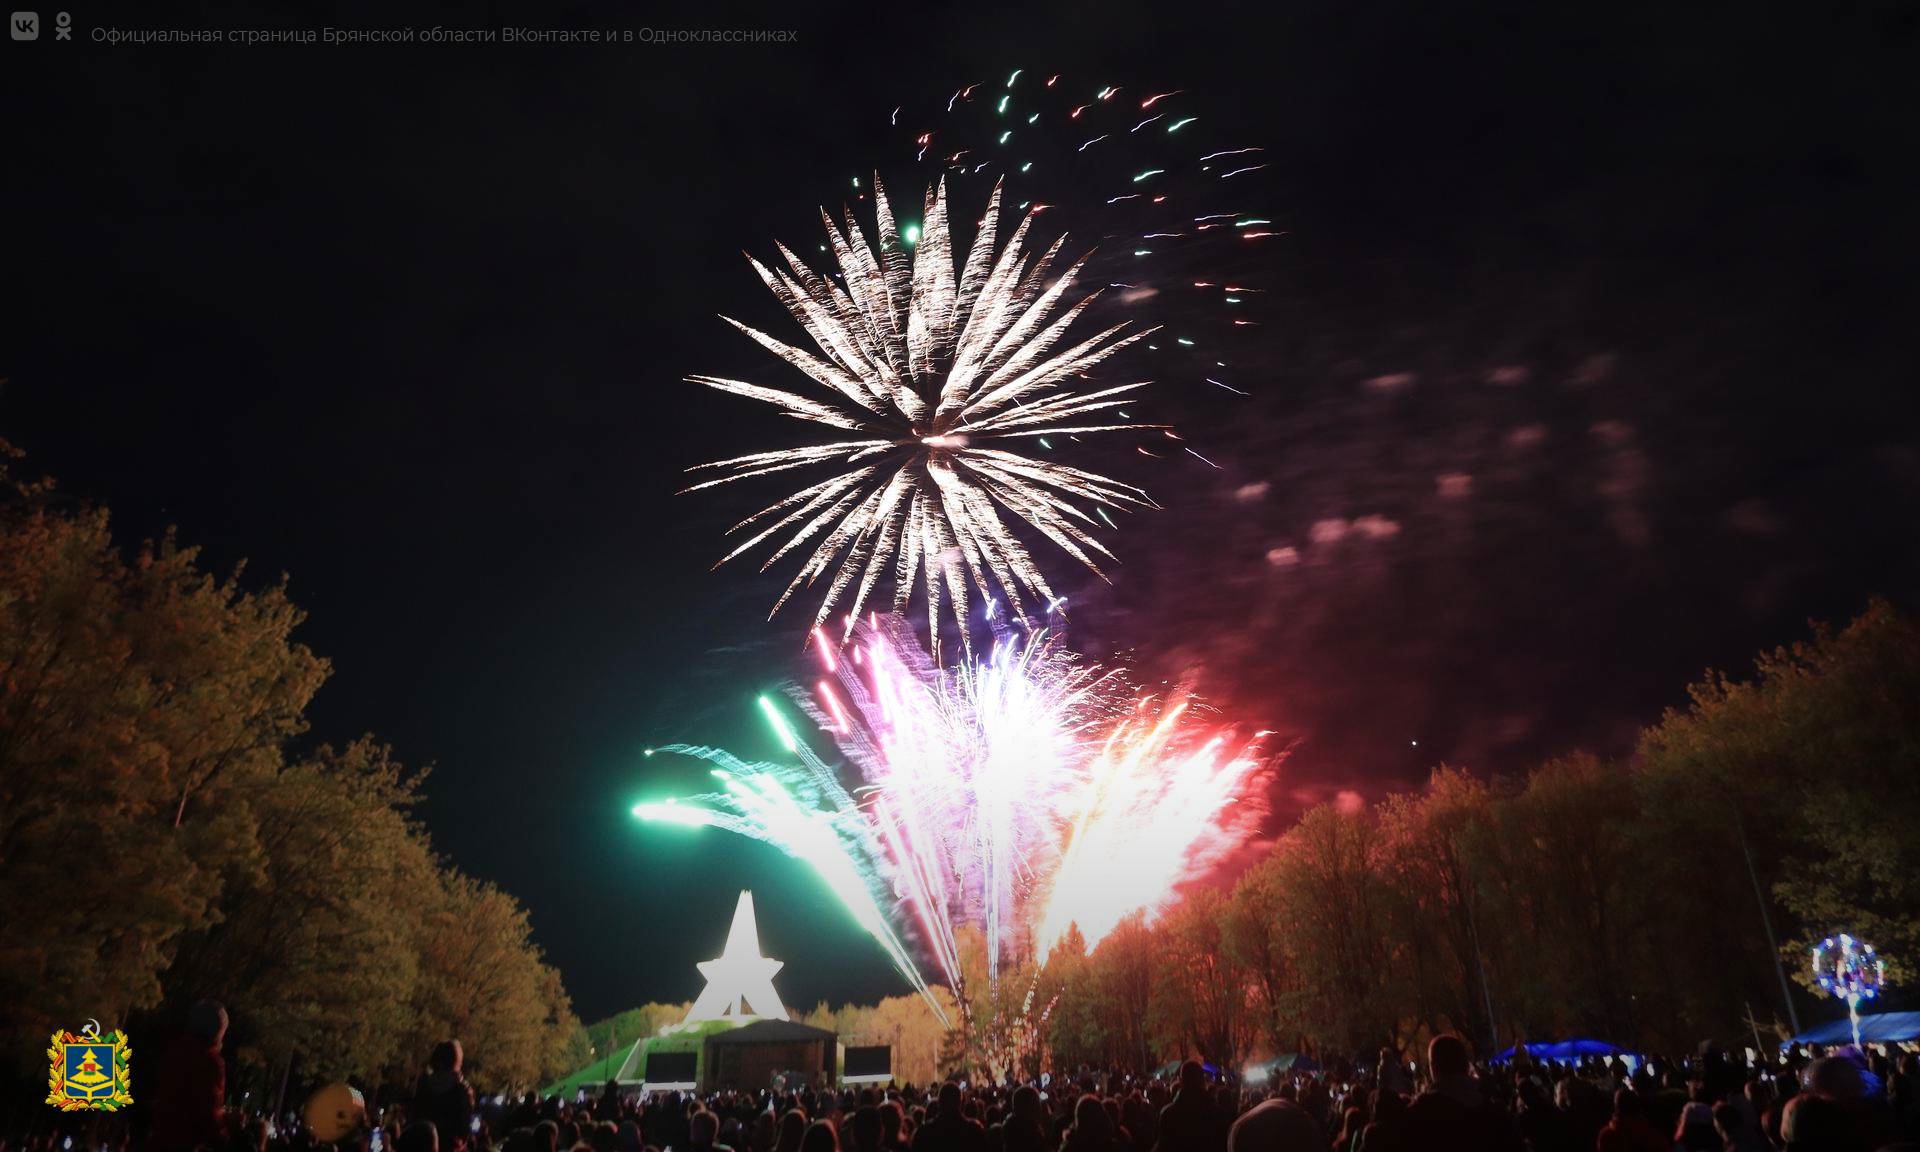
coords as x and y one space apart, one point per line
770 1032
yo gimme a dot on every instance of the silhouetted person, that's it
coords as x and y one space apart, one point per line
1352 1120
703 1133
1025 1128
1453 1115
1392 1075
948 1130
864 1133
420 1136
1142 1120
1903 1095
607 1107
820 1137
893 1123
1383 1131
1694 1131
1190 1123
1544 1127
1736 1129
1093 1128
793 1130
252 1137
1630 1130
1815 1123
1585 1107
188 1106
1276 1126
443 1097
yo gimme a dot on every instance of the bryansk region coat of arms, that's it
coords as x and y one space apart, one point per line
89 1071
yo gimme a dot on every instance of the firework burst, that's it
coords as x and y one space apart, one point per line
1177 203
941 380
1023 794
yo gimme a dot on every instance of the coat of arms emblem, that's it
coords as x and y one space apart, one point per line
89 1071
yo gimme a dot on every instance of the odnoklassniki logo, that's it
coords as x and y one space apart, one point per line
89 1071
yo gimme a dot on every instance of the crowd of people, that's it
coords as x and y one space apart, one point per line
1801 1101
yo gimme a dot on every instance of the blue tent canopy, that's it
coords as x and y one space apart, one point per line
1879 1028
1563 1050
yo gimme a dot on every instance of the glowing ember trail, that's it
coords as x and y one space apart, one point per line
1022 793
940 379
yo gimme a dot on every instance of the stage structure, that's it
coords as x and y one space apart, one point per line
779 1054
866 1063
737 1034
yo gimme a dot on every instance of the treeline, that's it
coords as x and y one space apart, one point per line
167 835
906 1023
1631 901
1643 901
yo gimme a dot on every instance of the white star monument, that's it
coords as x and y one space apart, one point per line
739 980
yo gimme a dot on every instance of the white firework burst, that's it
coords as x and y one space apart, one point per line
940 379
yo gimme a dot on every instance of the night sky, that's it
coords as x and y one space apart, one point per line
1587 365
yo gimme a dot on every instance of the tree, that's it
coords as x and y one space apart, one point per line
1259 932
906 1023
1327 873
142 703
1806 771
1434 846
483 981
1200 987
1564 885
162 838
595 1041
1123 977
1074 1033
318 943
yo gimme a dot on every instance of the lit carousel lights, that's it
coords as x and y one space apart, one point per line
1850 970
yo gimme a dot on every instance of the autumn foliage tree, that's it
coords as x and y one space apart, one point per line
165 834
1629 900
1625 899
1201 987
905 1023
1799 783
